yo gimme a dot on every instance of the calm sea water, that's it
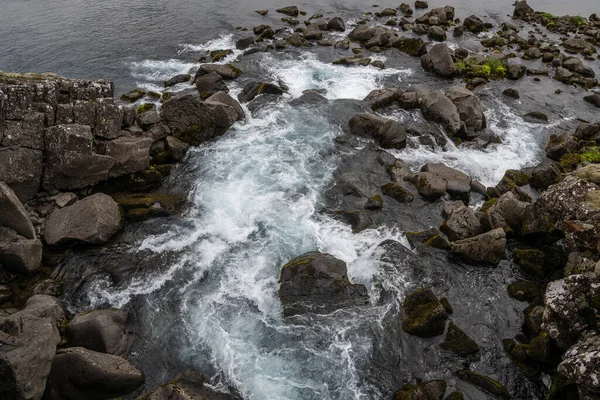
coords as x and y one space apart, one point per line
99 39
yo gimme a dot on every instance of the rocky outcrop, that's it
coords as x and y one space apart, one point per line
388 133
29 339
104 331
95 220
318 283
78 373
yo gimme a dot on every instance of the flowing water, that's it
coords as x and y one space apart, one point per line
203 287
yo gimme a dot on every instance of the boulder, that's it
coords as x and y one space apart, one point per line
397 192
210 84
510 211
104 331
95 220
187 386
336 24
484 383
429 185
438 34
224 98
421 4
177 147
545 174
522 9
29 339
70 160
388 133
425 315
244 43
19 254
292 11
147 119
317 282
437 107
593 99
581 364
456 183
439 60
78 373
380 98
579 46
181 78
133 96
487 248
21 169
515 71
458 342
412 46
13 214
469 108
431 390
463 223
254 88
194 121
574 64
225 71
132 154
474 24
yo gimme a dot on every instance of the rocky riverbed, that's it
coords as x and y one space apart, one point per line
399 204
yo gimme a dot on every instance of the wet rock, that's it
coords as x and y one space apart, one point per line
133 96
421 4
21 169
425 315
253 89
515 71
412 46
380 98
19 254
457 184
29 339
95 220
244 43
431 238
458 31
575 64
138 207
528 291
484 383
148 118
509 210
292 11
13 214
397 192
210 84
187 386
458 342
581 364
224 98
225 71
579 46
474 24
512 93
104 331
432 390
336 24
593 99
531 261
194 121
318 282
78 373
532 54
429 185
65 199
439 60
388 133
181 78
487 248
28 132
463 223
522 9
70 161
545 174
260 29
132 154
262 12
469 108
436 33
437 107
176 147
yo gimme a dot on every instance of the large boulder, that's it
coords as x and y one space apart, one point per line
431 390
581 364
224 98
439 108
95 220
132 154
439 60
21 168
194 121
509 211
317 282
29 339
522 9
70 160
78 373
19 254
545 174
462 223
255 88
469 108
388 133
336 24
487 248
457 184
209 84
226 71
105 331
425 316
13 214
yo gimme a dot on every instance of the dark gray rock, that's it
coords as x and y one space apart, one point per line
21 169
425 316
244 43
210 84
388 133
515 71
108 119
336 24
469 108
437 107
545 174
508 210
462 223
132 154
78 373
187 386
439 60
28 132
95 220
181 78
487 248
225 71
474 24
432 390
522 9
593 99
13 214
105 331
436 33
148 118
317 282
19 254
222 97
177 147
292 11
254 88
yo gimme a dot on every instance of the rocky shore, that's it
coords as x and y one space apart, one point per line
77 165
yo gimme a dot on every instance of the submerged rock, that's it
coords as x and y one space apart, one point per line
432 390
425 315
485 383
104 331
187 386
318 282
458 342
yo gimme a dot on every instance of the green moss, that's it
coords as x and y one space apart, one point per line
531 261
495 41
525 290
578 21
569 162
142 108
591 155
410 46
425 315
538 348
485 383
562 389
488 204
397 192
549 16
437 241
461 67
455 396
129 201
458 342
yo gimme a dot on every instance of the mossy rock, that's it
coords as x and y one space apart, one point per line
218 55
164 169
488 204
513 177
456 396
139 207
525 291
412 46
531 261
569 162
539 348
375 202
484 383
397 192
518 355
423 391
562 389
446 305
458 342
536 115
155 95
591 155
162 157
133 96
431 238
425 315
142 108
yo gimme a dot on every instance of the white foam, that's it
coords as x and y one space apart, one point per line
159 70
224 42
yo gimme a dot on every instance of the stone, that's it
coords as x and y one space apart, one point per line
487 248
522 9
531 261
593 99
381 98
336 24
108 119
210 84
28 132
388 133
177 147
547 173
458 342
414 47
133 96
579 46
13 214
484 383
439 60
70 161
148 118
463 223
177 79
431 390
437 107
19 254
425 315
138 207
132 154
292 11
429 185
225 71
431 238
397 192
244 43
254 88
78 373
574 64
474 24
29 338
194 121
224 98
64 199
436 33
94 220
104 331
21 169
421 4
318 282
512 93
515 71
187 386
457 184
510 210
581 364
469 108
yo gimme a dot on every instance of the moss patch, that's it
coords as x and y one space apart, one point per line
485 383
458 342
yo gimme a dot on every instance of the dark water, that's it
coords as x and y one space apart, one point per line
100 39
